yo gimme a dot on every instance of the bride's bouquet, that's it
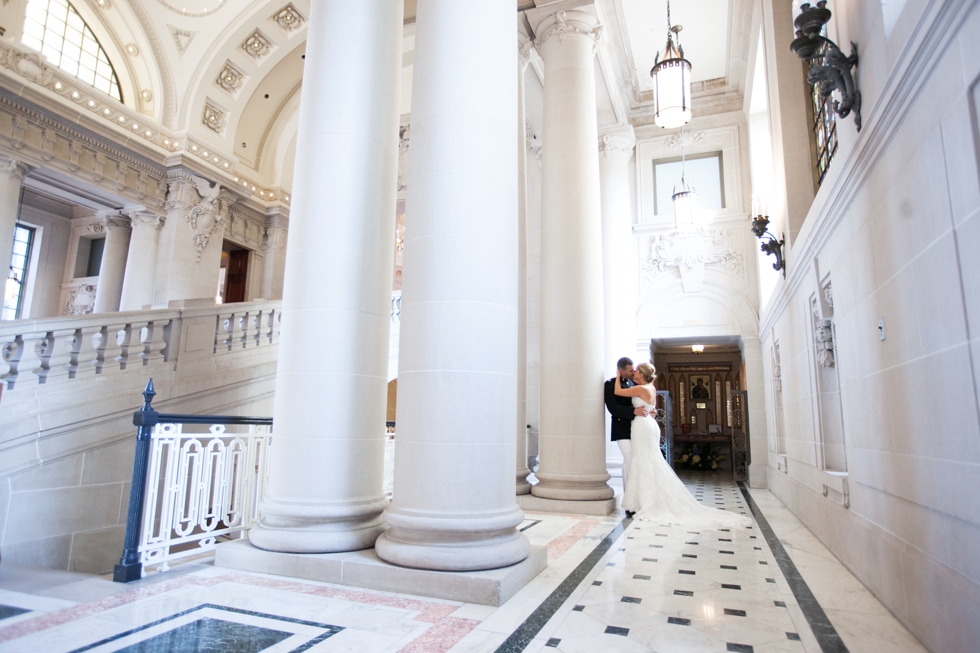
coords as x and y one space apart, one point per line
703 457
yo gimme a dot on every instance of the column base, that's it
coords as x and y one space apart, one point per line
532 503
312 528
366 570
523 487
564 488
453 543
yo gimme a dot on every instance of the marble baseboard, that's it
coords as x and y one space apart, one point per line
531 503
365 570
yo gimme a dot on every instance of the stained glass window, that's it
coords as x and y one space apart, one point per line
56 30
20 258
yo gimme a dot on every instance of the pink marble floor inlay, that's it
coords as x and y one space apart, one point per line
558 546
442 636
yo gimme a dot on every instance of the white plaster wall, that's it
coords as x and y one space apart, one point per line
48 268
896 227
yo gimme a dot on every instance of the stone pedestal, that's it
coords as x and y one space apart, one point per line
365 569
572 436
141 262
453 505
327 465
111 273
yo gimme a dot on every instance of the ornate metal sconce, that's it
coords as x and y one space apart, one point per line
760 227
835 73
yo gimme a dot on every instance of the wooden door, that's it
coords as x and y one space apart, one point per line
236 275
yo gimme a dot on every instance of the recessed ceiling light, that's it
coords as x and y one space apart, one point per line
74 94
91 103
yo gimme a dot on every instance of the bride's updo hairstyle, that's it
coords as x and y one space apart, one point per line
648 371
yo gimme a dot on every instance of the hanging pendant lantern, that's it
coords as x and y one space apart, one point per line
671 77
685 204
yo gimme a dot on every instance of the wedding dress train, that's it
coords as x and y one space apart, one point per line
655 493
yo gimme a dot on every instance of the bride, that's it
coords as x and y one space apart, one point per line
653 490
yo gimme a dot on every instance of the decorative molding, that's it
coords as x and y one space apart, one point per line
257 46
289 19
182 38
214 117
116 222
184 13
15 169
146 219
79 300
131 49
163 64
690 139
690 251
230 78
524 55
28 64
823 335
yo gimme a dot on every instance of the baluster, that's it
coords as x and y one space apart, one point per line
109 349
256 324
152 339
31 363
129 345
13 353
225 330
243 319
58 355
88 342
235 332
269 326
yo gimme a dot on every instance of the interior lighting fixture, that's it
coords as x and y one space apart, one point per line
204 153
74 95
122 118
148 133
106 111
671 77
226 164
697 349
91 103
57 86
194 148
772 246
833 73
136 126
685 198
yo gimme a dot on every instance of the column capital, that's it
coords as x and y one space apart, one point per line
617 141
113 220
563 25
525 46
13 168
141 218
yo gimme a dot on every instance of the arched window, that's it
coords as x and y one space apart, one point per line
54 28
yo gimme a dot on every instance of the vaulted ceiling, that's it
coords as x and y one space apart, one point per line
228 73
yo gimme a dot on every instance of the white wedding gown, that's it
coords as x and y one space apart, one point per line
653 490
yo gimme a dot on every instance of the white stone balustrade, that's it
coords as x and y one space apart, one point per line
77 347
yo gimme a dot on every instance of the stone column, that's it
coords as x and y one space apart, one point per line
12 173
141 263
327 468
114 260
523 57
572 437
618 248
619 269
275 250
453 505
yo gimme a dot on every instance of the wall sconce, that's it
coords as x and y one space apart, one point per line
835 73
760 227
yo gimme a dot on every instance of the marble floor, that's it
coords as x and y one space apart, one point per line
612 584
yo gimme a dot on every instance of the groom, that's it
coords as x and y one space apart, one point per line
622 411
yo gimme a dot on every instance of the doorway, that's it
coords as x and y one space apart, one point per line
233 276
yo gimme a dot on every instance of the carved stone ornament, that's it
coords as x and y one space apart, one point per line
616 144
690 251
565 25
230 78
828 294
257 45
15 169
777 369
30 65
524 55
289 19
214 117
95 228
146 219
182 39
79 301
204 217
693 138
824 336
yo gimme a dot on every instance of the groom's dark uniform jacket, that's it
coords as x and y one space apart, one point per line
621 409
